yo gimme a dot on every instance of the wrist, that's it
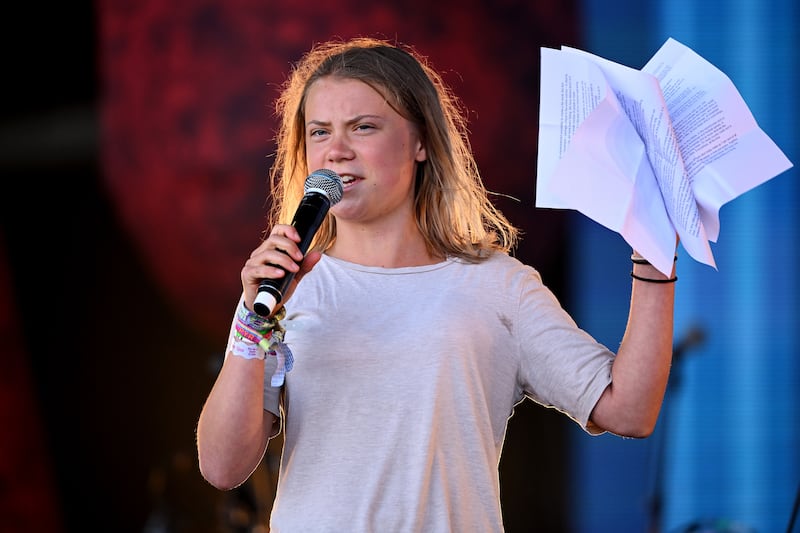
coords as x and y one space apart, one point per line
256 337
643 270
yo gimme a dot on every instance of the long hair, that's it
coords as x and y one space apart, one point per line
452 207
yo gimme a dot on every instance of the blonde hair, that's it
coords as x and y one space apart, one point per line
452 206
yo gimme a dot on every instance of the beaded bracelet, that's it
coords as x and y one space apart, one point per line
255 337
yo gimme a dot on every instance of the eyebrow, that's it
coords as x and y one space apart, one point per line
353 120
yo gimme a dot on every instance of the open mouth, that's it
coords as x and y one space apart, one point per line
347 179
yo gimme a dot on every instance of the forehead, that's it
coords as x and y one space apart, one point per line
340 94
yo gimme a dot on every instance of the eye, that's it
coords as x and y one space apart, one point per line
317 133
364 127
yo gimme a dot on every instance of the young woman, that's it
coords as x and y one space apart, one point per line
413 331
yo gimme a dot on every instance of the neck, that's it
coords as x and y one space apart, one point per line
370 247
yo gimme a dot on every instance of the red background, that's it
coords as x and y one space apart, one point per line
116 301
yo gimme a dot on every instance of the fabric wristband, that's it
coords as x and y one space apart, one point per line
255 337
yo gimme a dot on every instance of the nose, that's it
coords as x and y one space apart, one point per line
339 148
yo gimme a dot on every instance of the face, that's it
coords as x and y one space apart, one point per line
353 131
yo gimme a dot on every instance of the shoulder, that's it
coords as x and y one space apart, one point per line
503 262
501 272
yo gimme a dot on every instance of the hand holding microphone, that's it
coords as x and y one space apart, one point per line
323 189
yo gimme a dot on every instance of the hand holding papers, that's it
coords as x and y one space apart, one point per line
651 153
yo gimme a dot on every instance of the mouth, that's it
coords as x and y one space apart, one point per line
347 179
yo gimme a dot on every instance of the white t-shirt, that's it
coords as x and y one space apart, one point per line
403 383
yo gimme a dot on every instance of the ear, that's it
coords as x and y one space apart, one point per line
422 154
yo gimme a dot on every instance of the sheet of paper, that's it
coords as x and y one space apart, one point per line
591 157
724 151
648 153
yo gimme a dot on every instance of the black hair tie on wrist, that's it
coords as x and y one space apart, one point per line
651 280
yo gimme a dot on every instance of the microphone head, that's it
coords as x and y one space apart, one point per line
326 182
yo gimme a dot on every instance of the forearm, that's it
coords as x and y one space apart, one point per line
631 404
233 428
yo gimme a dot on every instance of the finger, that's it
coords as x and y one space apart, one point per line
283 239
269 266
270 263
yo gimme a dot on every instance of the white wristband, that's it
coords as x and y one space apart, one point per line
244 348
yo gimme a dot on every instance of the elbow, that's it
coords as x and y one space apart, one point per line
626 423
638 428
217 476
218 469
640 432
225 468
625 415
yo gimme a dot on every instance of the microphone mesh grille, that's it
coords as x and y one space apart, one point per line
326 181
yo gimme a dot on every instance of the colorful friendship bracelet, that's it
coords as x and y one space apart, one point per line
255 337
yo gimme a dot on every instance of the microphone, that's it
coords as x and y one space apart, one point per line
323 189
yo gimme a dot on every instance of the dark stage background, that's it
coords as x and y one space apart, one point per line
136 141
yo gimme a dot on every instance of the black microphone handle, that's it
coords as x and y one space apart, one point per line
307 220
